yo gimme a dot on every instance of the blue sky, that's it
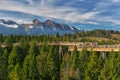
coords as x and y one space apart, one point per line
79 11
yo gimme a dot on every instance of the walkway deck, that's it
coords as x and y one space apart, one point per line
91 46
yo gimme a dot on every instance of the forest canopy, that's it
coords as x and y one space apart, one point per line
47 62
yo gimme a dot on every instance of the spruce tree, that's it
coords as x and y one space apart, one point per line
64 68
75 62
93 67
12 58
41 61
75 59
84 59
3 66
109 71
15 73
52 64
29 66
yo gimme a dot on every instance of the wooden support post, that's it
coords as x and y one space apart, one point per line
69 47
104 55
69 52
60 53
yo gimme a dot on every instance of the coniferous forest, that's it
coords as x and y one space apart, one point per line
30 61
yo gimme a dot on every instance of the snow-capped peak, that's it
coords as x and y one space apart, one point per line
31 26
71 28
9 25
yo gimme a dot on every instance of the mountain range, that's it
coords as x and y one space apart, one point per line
36 27
24 19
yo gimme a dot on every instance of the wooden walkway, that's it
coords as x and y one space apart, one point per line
94 47
90 46
97 48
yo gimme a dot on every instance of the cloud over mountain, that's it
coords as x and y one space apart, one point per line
79 11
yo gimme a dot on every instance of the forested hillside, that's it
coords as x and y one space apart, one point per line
100 36
29 61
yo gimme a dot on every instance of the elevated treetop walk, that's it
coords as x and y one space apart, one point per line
90 46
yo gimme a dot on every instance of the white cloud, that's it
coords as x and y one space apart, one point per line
42 3
108 8
47 9
115 1
43 9
31 2
77 17
108 19
91 22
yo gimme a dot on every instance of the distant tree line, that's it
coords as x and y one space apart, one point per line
82 36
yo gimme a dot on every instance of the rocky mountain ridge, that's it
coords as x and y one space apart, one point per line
36 27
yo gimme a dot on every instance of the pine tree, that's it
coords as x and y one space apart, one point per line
1 38
117 64
52 64
1 51
15 73
109 71
65 67
93 67
84 59
12 58
3 66
75 61
41 61
29 66
13 61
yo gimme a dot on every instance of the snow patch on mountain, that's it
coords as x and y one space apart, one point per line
31 26
71 28
10 25
42 28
